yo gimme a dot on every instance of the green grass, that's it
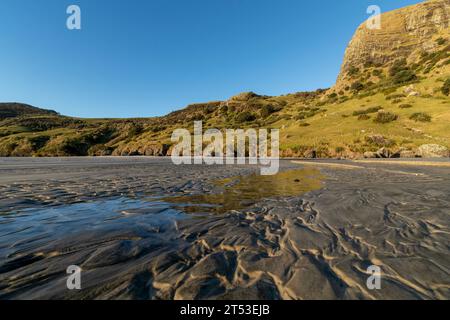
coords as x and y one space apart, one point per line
332 125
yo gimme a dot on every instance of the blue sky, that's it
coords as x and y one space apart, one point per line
141 58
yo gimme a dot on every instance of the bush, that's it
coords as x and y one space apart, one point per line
245 117
367 111
135 129
398 66
357 86
377 73
308 112
363 117
353 71
38 142
339 149
440 41
420 117
332 95
158 128
385 117
404 76
75 146
389 91
379 141
446 87
266 111
405 106
401 73
395 96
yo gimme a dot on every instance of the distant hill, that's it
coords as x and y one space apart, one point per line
391 99
13 109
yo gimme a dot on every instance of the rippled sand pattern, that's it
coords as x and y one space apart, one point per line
112 218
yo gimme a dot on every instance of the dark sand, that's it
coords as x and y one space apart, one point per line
142 228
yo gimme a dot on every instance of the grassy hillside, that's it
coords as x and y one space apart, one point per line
12 110
328 124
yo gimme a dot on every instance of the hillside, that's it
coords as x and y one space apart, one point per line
391 97
12 110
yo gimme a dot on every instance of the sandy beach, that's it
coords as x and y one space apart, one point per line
143 228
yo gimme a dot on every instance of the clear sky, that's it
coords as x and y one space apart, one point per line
141 58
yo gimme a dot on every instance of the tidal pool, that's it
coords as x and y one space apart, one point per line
240 192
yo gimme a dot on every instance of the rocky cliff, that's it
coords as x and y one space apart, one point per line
405 33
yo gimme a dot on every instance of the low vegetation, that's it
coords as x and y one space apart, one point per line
420 117
385 117
446 87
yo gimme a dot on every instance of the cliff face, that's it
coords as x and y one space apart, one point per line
404 33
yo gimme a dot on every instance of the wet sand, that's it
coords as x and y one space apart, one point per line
142 228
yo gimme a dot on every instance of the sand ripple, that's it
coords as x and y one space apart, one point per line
316 245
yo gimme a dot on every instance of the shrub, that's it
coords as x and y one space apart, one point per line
38 142
282 103
404 76
135 129
75 146
353 71
363 117
339 149
446 87
245 117
158 128
308 112
385 117
440 41
389 91
401 73
357 86
420 117
332 95
432 59
405 106
379 141
367 111
377 73
267 110
395 96
398 66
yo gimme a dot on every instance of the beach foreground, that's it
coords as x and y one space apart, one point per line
143 228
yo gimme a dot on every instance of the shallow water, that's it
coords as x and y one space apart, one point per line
237 193
25 230
29 229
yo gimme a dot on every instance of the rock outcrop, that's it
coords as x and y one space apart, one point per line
404 33
433 151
